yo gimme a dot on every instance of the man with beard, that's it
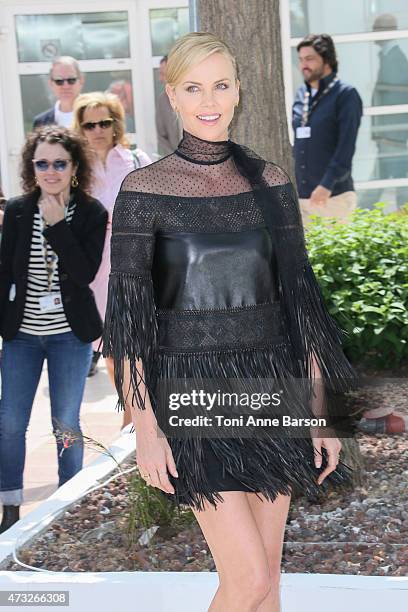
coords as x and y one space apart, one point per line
326 116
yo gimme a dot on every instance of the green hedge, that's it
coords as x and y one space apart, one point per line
362 268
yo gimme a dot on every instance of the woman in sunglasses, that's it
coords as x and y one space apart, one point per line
51 249
100 118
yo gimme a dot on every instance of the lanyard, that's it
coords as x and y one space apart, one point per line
50 258
308 111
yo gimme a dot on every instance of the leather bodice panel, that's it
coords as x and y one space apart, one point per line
195 271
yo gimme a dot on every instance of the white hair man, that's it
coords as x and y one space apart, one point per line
65 81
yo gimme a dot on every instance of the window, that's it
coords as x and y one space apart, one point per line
381 152
85 36
166 26
100 41
345 16
37 97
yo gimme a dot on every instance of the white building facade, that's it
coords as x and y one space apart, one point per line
119 45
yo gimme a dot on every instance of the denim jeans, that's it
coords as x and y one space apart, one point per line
68 360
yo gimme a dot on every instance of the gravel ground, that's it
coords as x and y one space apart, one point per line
361 532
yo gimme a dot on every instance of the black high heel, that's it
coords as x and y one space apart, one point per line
11 514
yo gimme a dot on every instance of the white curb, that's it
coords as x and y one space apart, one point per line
192 591
37 520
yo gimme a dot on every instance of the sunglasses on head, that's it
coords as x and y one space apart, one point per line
91 125
58 164
70 81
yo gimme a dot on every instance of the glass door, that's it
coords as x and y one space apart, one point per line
98 40
102 36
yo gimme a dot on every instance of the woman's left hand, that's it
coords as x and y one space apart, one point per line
333 448
52 208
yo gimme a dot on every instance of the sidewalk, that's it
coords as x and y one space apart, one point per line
99 420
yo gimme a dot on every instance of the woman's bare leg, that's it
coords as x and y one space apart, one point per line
127 416
238 551
270 518
109 367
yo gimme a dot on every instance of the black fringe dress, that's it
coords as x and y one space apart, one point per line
210 279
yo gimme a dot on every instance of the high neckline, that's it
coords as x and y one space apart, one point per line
199 151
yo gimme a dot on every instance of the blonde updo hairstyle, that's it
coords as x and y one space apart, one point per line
192 49
96 99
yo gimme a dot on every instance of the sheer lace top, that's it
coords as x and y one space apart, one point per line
196 189
198 168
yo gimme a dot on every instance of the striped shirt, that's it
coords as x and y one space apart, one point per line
34 321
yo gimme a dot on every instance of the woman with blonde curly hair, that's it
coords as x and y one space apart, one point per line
100 118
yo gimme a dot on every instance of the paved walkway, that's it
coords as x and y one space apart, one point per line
99 420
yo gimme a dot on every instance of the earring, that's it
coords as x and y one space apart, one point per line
36 181
74 181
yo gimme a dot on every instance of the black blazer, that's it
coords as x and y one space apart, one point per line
45 118
79 247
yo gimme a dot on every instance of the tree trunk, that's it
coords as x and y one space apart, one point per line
251 28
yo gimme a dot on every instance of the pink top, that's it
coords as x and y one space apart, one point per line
108 178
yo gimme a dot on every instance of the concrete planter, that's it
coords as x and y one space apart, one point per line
175 591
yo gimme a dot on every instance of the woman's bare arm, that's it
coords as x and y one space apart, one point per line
153 453
141 417
323 437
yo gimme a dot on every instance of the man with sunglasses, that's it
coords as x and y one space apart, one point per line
65 82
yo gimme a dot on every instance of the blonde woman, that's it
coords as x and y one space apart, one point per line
205 286
100 118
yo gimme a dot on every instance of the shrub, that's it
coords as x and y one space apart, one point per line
148 506
362 268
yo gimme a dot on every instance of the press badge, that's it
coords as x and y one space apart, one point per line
50 302
304 132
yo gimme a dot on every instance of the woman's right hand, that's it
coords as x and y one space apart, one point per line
153 453
154 458
52 208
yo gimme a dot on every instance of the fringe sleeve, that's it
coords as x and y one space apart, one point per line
313 333
130 330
